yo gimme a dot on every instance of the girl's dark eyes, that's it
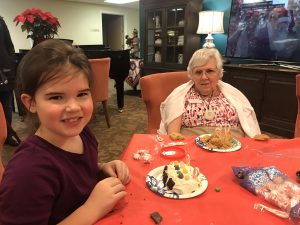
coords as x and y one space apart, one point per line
55 97
60 97
83 94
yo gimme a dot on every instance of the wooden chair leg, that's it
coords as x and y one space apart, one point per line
105 110
1 170
1 163
12 132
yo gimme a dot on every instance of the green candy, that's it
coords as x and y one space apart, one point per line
217 189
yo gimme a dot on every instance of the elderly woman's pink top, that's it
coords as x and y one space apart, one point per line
195 107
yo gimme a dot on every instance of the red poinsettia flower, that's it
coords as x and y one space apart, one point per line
37 23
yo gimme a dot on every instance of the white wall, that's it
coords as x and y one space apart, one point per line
79 21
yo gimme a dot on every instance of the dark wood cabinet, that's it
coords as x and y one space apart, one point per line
170 34
272 93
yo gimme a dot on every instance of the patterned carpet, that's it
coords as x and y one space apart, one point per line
112 140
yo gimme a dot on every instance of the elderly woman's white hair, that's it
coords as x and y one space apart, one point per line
201 57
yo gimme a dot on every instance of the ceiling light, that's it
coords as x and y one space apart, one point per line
120 1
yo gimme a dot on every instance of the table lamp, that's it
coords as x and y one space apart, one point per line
210 22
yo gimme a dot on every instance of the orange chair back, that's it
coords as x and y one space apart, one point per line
155 88
297 125
3 133
100 69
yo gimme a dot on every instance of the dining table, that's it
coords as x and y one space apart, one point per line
223 202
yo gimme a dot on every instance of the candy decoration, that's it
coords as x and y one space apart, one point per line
188 159
217 189
142 155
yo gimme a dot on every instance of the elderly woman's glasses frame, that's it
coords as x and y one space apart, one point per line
207 72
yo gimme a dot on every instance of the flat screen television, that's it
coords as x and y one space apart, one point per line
264 30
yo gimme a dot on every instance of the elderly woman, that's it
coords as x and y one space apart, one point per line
206 102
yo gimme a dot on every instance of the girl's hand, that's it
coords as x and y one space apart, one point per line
104 197
116 168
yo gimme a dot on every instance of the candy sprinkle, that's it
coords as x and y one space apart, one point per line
217 189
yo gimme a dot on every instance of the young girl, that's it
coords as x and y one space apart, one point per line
53 176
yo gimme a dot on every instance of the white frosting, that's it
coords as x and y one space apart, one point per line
190 181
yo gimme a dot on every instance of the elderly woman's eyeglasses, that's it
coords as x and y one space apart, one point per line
207 72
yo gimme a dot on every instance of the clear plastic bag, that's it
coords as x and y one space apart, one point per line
273 186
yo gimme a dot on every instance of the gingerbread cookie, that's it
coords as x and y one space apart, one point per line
176 136
261 137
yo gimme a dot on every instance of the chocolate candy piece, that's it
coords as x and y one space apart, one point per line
180 175
156 217
165 177
170 184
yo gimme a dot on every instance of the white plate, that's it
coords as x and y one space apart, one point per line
155 184
236 145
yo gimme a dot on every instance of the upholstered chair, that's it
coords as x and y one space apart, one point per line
3 133
297 125
154 89
100 69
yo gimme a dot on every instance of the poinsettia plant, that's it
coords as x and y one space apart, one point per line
37 23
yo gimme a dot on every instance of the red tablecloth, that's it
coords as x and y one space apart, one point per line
233 205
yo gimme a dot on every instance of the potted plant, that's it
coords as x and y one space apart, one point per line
38 24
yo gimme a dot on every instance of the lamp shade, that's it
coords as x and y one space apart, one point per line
210 22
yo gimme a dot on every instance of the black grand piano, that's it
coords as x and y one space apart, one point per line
119 66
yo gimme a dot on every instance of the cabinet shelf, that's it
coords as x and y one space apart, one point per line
156 29
172 24
175 27
176 46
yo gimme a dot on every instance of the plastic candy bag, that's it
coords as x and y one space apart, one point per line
274 186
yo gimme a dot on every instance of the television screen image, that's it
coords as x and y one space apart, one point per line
264 30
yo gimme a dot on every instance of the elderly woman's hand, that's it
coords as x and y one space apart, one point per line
176 136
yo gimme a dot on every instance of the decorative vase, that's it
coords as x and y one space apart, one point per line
157 22
157 57
38 40
180 58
